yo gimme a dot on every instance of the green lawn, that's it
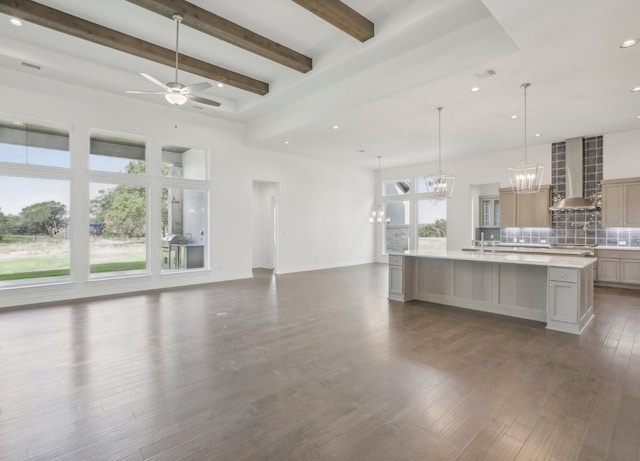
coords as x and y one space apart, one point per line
24 257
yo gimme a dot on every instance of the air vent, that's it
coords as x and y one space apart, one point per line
486 74
28 65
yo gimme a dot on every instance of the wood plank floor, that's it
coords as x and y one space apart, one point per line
314 366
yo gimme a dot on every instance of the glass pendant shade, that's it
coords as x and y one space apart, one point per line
377 216
439 186
526 176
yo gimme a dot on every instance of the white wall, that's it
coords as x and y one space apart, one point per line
324 209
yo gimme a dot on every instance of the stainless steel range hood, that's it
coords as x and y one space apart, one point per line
573 167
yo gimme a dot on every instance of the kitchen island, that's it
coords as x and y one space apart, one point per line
554 289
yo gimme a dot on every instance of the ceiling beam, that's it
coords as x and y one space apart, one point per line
220 28
342 16
62 22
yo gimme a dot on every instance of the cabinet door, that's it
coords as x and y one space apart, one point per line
630 271
524 210
563 302
541 204
608 270
396 285
632 205
612 205
507 208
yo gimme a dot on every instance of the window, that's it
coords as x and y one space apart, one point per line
117 153
432 225
35 210
184 202
182 162
33 143
397 232
118 216
397 187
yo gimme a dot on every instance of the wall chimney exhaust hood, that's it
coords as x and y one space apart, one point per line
573 166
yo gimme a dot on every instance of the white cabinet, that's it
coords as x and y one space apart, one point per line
569 298
563 295
525 210
621 202
400 278
618 266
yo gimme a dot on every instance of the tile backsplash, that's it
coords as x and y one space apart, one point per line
575 227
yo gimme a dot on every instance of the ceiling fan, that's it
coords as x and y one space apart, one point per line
174 92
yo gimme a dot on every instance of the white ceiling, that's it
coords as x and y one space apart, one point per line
382 93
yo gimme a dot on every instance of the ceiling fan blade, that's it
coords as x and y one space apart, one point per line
196 88
145 92
156 81
200 100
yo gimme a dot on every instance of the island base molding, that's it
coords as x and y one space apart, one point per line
562 297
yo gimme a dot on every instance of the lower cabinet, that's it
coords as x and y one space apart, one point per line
563 295
618 266
400 278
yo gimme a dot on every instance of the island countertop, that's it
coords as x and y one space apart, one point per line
577 262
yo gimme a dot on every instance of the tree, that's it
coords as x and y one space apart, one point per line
45 217
123 208
435 229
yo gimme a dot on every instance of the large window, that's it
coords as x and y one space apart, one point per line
415 221
34 201
118 229
118 212
184 208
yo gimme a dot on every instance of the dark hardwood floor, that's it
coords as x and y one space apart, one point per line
314 366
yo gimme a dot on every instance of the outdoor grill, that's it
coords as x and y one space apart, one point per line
170 250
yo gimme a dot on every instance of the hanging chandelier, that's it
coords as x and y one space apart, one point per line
377 216
526 176
440 185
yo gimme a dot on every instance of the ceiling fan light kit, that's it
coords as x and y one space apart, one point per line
175 92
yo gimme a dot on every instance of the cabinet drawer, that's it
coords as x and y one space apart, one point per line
618 254
561 274
395 260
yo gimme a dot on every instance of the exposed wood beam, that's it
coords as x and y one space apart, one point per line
342 16
218 27
62 22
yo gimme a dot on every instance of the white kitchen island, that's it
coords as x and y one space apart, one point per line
557 290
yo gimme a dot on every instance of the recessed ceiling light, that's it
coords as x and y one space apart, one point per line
475 89
629 43
636 89
513 117
537 135
335 127
220 85
286 142
15 21
638 116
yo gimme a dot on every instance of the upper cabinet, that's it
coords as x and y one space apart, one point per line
621 202
489 211
525 210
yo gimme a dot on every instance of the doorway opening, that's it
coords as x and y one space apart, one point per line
265 217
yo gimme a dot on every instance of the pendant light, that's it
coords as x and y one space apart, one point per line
377 216
440 186
526 176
